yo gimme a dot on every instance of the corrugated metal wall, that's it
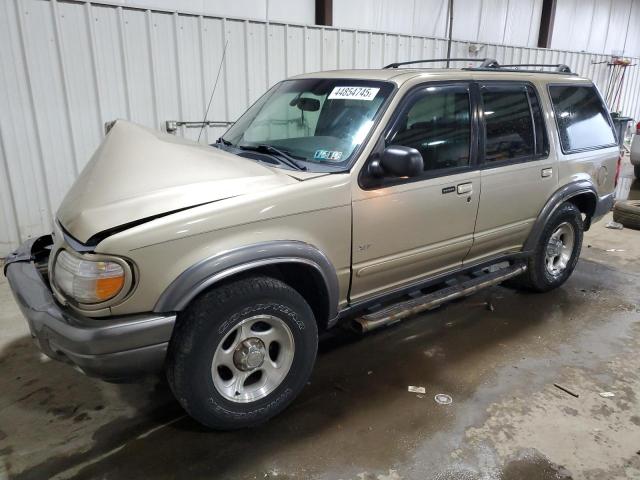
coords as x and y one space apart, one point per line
509 22
607 26
67 67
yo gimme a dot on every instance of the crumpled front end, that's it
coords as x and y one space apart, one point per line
114 348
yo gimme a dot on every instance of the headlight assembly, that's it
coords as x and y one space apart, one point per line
88 281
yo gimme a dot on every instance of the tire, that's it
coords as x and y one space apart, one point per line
636 171
539 277
627 213
209 330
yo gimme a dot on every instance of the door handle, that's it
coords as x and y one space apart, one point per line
465 188
546 172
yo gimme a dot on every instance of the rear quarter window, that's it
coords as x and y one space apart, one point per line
582 118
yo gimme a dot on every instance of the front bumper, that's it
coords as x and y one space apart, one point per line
115 348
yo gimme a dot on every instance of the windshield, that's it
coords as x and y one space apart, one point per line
321 121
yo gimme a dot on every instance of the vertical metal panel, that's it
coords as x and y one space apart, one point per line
70 66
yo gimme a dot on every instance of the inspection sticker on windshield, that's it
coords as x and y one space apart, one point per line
354 93
331 155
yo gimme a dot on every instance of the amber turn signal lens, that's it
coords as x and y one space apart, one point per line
107 288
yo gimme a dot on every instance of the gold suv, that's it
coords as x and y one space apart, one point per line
349 195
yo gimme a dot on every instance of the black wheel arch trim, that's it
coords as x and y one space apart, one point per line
564 193
212 270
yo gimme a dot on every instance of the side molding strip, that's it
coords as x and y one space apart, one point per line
213 269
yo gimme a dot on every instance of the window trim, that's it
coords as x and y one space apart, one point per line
367 182
602 102
511 85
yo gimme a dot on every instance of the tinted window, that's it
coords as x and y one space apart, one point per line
508 125
581 117
438 125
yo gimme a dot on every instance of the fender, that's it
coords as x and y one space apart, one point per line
558 198
211 270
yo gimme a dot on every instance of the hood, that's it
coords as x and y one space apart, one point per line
139 173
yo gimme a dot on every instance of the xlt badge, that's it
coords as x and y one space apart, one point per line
448 190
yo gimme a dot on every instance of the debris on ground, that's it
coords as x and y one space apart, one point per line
413 389
339 387
490 306
566 390
443 399
420 396
607 394
614 250
614 225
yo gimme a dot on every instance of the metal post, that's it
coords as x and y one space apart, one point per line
450 8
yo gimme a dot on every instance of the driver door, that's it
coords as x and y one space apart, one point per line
408 229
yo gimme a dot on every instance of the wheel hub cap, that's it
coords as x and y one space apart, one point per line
249 354
559 249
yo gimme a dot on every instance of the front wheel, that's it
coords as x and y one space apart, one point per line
242 352
557 252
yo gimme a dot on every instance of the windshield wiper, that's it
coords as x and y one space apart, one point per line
282 155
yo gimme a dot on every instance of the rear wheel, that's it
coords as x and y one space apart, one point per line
636 171
557 252
242 352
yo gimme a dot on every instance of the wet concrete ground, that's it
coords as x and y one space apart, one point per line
356 419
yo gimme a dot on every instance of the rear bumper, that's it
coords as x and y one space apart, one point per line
604 206
114 348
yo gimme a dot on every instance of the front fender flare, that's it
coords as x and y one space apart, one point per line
564 193
212 270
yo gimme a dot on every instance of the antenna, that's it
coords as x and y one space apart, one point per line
204 120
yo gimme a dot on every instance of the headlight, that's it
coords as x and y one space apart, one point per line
87 281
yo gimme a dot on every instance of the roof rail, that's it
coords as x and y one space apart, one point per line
560 67
486 62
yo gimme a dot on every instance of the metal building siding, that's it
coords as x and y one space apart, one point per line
607 26
68 67
513 22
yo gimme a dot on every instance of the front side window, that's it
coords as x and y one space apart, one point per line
509 132
438 125
582 118
317 121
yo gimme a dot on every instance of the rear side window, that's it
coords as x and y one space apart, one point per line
508 125
582 118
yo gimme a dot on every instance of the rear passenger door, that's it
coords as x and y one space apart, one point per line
517 173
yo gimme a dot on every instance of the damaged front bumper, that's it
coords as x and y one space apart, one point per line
113 348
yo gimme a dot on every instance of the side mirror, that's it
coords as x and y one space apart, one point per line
398 161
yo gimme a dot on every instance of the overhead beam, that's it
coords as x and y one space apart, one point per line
324 12
546 23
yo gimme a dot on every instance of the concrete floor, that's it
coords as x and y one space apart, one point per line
356 419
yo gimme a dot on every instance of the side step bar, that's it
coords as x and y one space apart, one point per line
399 311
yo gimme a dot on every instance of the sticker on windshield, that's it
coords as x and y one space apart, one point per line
331 155
354 93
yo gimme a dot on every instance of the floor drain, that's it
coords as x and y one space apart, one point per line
443 399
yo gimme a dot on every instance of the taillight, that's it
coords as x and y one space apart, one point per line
618 169
638 128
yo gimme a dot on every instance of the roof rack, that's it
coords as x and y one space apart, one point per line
486 62
560 67
490 64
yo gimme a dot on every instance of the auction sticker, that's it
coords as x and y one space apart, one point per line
331 155
354 93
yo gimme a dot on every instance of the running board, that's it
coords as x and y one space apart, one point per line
399 311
